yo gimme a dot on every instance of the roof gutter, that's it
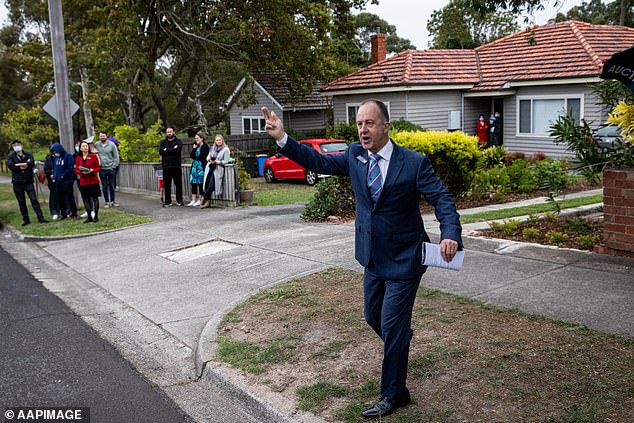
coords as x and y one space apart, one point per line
392 89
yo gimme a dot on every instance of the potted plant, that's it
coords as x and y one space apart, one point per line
245 189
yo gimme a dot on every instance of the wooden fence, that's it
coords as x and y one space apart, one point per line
140 178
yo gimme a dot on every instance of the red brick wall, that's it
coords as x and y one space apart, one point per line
618 210
378 50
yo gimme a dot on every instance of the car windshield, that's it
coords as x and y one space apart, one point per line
333 147
608 131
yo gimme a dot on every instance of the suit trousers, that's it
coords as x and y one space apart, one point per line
19 189
388 308
169 175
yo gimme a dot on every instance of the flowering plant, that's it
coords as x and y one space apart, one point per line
590 157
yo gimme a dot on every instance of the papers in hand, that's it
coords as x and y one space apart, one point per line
432 257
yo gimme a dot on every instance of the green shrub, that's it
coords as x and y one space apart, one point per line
587 241
137 147
402 125
578 225
510 226
512 157
496 226
530 233
490 183
551 174
454 155
556 238
343 131
334 197
550 216
521 178
493 156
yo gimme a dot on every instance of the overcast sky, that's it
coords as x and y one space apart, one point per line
410 16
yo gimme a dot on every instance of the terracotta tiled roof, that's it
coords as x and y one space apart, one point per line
569 49
277 85
414 67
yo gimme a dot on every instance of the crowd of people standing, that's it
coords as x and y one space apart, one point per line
93 167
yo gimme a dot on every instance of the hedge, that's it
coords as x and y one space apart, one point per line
454 155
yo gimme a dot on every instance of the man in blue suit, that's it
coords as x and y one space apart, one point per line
388 182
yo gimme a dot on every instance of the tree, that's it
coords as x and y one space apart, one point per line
459 26
519 7
596 12
153 59
355 51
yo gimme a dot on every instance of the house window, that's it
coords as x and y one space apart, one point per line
353 108
252 125
537 114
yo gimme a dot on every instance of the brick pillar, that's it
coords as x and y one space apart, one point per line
378 51
618 211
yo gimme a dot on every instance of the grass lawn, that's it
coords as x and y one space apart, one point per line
532 209
282 192
469 362
108 218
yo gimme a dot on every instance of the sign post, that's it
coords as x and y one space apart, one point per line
60 68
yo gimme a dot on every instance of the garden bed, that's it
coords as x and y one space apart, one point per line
580 232
468 203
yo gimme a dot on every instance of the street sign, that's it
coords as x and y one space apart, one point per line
51 107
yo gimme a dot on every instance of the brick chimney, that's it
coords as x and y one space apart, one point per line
379 51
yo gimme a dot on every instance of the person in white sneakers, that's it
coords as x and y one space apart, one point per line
198 155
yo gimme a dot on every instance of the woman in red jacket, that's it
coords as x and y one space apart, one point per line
87 166
482 129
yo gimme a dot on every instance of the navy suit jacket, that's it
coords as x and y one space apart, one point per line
388 236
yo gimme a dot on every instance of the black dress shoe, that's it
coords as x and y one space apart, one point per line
43 221
386 406
26 222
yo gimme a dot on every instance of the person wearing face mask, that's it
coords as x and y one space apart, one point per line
64 177
170 150
482 130
21 164
198 156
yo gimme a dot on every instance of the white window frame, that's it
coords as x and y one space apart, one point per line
564 97
387 104
258 118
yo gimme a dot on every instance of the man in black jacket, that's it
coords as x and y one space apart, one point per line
21 164
170 151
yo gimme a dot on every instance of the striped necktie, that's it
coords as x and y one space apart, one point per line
375 181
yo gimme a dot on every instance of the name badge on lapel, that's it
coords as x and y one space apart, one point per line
362 159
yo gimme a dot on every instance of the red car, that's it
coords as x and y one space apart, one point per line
281 167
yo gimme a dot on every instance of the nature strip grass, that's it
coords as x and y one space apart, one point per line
280 193
532 209
108 218
469 361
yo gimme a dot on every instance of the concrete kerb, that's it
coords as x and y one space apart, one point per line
33 238
206 345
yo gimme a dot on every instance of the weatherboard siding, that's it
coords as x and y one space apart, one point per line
429 109
236 113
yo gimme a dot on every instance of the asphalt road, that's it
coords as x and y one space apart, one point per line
50 357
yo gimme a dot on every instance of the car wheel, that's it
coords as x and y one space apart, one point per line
311 177
268 175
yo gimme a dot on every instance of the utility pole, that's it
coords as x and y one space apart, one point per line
60 68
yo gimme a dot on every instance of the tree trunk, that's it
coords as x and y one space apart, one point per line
622 15
90 126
